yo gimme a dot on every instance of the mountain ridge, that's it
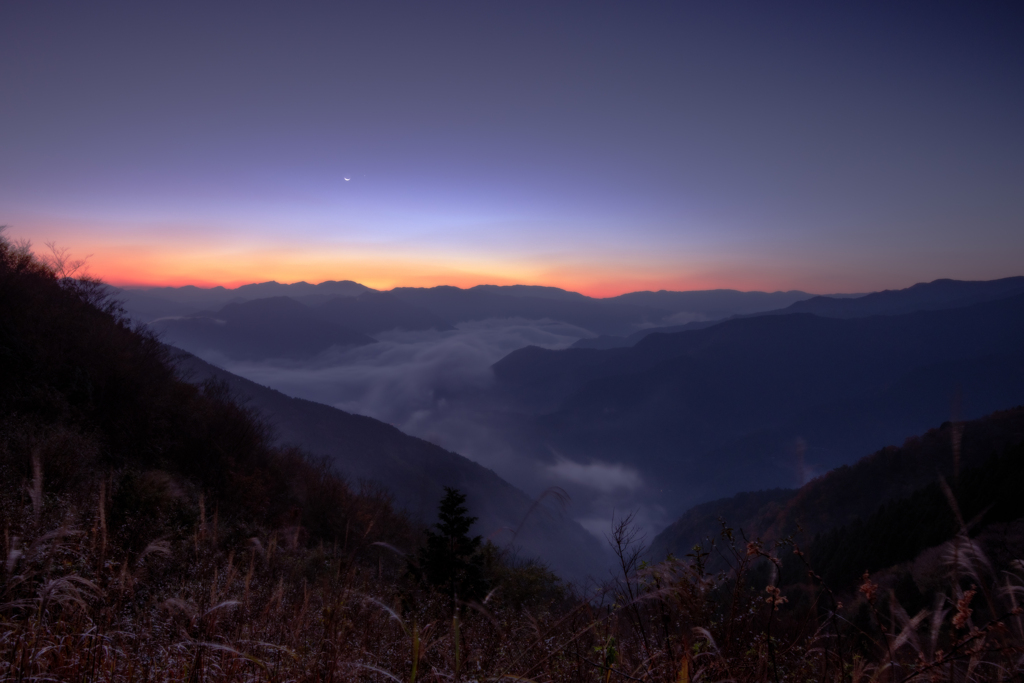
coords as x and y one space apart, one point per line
748 391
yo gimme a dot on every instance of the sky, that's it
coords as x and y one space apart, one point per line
602 147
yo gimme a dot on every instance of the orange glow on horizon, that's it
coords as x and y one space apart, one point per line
594 281
381 268
147 261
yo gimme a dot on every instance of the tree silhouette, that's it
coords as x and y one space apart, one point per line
451 561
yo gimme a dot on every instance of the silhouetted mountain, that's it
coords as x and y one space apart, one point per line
862 506
147 304
608 341
276 327
709 412
414 471
439 306
331 288
924 296
373 312
713 303
601 316
535 291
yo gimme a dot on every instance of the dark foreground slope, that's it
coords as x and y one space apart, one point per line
893 491
89 405
415 472
763 402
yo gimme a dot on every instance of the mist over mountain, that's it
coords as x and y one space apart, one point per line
760 402
437 307
254 322
275 327
599 316
374 312
767 399
433 384
415 472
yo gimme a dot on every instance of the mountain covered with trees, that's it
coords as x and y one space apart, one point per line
895 489
765 401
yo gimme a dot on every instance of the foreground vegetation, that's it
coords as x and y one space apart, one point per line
152 532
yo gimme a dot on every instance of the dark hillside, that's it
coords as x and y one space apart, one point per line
89 402
853 492
900 530
706 413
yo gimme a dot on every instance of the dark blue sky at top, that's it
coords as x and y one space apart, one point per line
767 145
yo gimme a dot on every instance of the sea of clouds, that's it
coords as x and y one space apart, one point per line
436 385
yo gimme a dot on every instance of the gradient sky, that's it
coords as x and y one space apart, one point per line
601 147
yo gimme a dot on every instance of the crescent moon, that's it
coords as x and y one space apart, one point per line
347 179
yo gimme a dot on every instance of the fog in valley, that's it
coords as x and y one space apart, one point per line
647 414
438 385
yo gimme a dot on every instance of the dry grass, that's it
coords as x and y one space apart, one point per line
207 607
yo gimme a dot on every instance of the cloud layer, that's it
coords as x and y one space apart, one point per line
435 385
599 476
421 382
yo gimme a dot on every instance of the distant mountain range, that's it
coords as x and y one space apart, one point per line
276 327
283 327
148 304
763 401
346 313
415 472
925 296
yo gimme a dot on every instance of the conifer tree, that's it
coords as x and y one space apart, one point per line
451 560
